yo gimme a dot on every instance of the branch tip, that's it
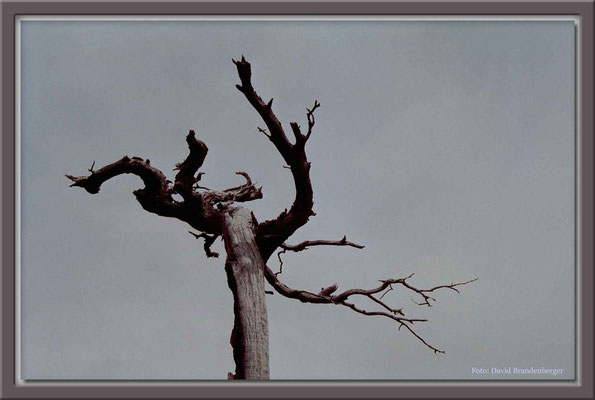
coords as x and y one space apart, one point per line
246 176
263 131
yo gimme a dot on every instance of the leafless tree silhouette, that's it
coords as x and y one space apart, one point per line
248 243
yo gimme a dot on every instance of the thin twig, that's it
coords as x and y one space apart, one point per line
209 240
390 287
263 131
280 262
310 116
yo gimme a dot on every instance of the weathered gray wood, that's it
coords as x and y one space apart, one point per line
245 275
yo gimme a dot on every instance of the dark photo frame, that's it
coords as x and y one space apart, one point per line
580 385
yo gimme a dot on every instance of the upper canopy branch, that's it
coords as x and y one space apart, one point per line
325 296
301 138
273 233
277 135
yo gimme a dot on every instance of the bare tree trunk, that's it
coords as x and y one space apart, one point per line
245 275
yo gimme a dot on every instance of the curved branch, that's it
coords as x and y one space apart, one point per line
325 296
155 197
272 233
248 182
153 179
225 198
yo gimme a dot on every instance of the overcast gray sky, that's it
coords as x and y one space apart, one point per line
446 147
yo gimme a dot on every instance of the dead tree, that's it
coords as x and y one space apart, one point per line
248 243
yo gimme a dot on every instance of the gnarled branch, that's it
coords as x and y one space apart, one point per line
198 209
155 197
153 179
272 233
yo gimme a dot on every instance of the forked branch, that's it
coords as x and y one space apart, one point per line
272 233
311 120
326 296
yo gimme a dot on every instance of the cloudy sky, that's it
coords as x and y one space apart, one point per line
446 147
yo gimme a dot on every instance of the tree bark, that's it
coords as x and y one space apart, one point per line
245 276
